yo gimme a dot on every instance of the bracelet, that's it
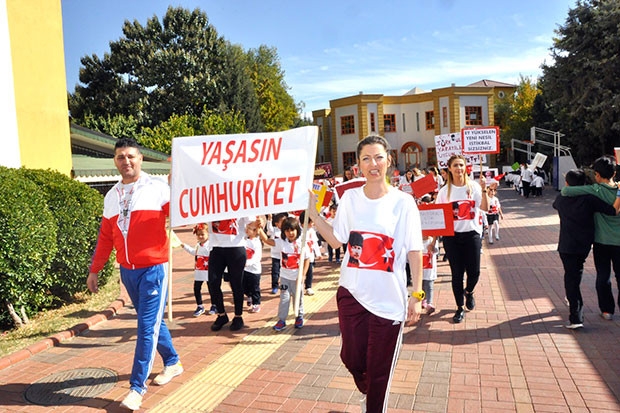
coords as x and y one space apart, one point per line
484 191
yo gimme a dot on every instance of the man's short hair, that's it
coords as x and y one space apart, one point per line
126 143
575 177
605 166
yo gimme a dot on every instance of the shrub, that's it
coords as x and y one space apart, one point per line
27 244
77 212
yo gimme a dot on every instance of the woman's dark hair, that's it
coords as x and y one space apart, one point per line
371 140
291 223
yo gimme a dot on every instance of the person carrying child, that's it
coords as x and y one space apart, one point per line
290 249
201 265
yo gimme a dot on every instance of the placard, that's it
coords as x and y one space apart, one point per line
351 183
424 186
323 170
219 177
436 219
450 144
480 140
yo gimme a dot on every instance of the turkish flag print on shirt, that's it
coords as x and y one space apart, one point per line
225 226
376 254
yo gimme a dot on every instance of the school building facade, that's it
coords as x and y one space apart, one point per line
409 122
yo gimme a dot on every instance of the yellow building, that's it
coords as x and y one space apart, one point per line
33 90
409 122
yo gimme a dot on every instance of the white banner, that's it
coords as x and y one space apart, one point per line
450 144
220 177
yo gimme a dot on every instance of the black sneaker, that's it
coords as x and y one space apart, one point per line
459 315
237 324
470 302
220 321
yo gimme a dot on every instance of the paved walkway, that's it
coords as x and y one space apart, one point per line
511 353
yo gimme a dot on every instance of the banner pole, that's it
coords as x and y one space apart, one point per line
169 273
302 258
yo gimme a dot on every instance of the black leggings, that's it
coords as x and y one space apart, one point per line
234 259
463 251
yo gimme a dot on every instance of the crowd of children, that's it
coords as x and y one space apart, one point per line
282 233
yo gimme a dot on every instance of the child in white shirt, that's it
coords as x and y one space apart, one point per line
290 249
201 265
272 229
494 213
429 272
252 270
312 240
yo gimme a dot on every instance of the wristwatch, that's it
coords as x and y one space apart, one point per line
419 295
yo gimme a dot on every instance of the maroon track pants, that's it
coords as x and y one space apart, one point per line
370 347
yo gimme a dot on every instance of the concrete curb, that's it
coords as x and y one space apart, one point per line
58 338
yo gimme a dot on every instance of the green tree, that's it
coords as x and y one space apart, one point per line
119 126
177 66
210 123
582 87
513 114
277 107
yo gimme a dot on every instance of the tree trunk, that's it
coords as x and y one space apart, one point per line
25 318
16 319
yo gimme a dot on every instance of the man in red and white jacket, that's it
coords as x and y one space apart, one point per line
134 223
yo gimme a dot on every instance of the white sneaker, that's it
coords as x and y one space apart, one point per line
168 373
309 291
132 401
363 404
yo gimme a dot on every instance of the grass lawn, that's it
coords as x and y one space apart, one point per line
53 321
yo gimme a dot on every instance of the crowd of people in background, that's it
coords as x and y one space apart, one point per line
376 297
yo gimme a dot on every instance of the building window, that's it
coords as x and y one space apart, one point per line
347 125
348 159
389 123
473 115
417 121
430 120
404 127
372 122
444 114
431 155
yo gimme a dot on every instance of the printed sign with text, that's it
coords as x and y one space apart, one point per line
480 140
219 177
436 219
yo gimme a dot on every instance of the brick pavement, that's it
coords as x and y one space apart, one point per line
510 354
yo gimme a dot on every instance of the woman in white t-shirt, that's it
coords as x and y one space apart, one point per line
380 226
468 199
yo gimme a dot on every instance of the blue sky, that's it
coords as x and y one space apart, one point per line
332 49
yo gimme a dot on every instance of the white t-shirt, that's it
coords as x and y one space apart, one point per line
201 261
254 252
312 240
494 205
229 232
290 254
382 231
465 202
429 260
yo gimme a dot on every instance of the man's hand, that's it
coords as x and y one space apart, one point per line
92 282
